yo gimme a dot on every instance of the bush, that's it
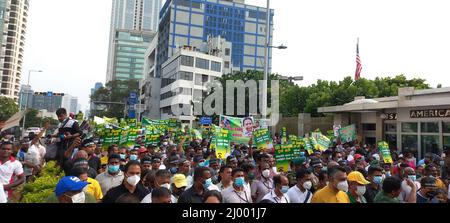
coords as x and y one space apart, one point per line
44 185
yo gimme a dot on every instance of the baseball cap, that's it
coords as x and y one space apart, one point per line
299 161
428 182
180 180
69 183
356 176
357 156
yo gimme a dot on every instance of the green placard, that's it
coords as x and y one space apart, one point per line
383 147
222 143
262 140
347 134
283 157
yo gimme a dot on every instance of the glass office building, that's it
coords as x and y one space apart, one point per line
191 22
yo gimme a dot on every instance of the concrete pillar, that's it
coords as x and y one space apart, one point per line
379 127
304 123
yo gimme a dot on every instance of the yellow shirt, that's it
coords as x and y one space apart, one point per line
327 195
94 188
440 184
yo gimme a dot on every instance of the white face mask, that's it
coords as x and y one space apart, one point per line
343 186
307 185
79 198
133 180
166 186
360 190
266 173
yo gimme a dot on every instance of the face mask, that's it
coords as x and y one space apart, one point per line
133 157
207 183
266 173
378 180
441 163
239 182
133 180
284 189
343 186
165 143
324 168
205 150
173 170
388 174
302 153
166 186
251 176
412 177
360 190
307 185
79 198
122 156
113 168
202 164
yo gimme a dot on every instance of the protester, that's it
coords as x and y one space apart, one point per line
70 190
428 192
93 186
300 193
225 178
84 163
162 179
408 173
375 177
161 195
11 170
213 197
279 193
237 193
259 188
130 184
357 187
432 171
178 186
202 180
335 191
94 162
113 177
392 186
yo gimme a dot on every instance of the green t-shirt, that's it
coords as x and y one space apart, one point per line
385 198
353 199
89 199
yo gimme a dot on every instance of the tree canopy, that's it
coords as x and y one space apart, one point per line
8 108
114 91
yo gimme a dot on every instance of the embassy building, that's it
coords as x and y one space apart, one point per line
415 120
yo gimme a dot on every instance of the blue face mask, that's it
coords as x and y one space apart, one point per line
173 170
388 174
284 189
113 169
122 156
207 183
378 179
239 182
302 153
412 177
133 157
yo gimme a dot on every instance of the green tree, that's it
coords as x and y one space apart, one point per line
8 108
116 92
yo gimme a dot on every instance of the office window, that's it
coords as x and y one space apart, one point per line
216 66
410 142
446 127
186 75
447 142
227 64
187 61
430 127
369 127
430 144
227 52
202 63
198 79
390 127
409 127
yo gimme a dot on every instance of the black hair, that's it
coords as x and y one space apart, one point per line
111 148
212 193
323 175
277 180
113 156
131 163
160 192
247 118
373 169
247 167
61 111
198 172
236 170
127 198
335 169
6 142
302 173
391 184
77 171
222 168
428 167
162 173
335 153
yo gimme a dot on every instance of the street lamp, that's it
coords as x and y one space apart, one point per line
266 62
291 79
26 101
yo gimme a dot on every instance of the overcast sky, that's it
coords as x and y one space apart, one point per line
68 40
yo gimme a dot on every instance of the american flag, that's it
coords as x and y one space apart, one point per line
358 63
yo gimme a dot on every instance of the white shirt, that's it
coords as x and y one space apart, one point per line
406 190
148 199
274 198
108 181
32 156
42 151
295 195
230 195
261 187
2 195
9 170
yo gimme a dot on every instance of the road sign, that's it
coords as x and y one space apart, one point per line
49 93
206 120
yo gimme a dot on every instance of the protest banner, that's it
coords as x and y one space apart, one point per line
262 140
308 146
283 157
221 141
132 136
296 145
323 143
383 147
241 129
347 134
283 135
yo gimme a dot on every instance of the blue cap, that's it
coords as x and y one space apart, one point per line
69 183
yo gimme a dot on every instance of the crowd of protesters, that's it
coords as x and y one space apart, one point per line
189 172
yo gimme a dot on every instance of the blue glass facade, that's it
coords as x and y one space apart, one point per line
190 22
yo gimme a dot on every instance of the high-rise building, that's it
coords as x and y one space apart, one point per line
73 105
26 94
133 26
13 25
92 106
193 22
47 100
